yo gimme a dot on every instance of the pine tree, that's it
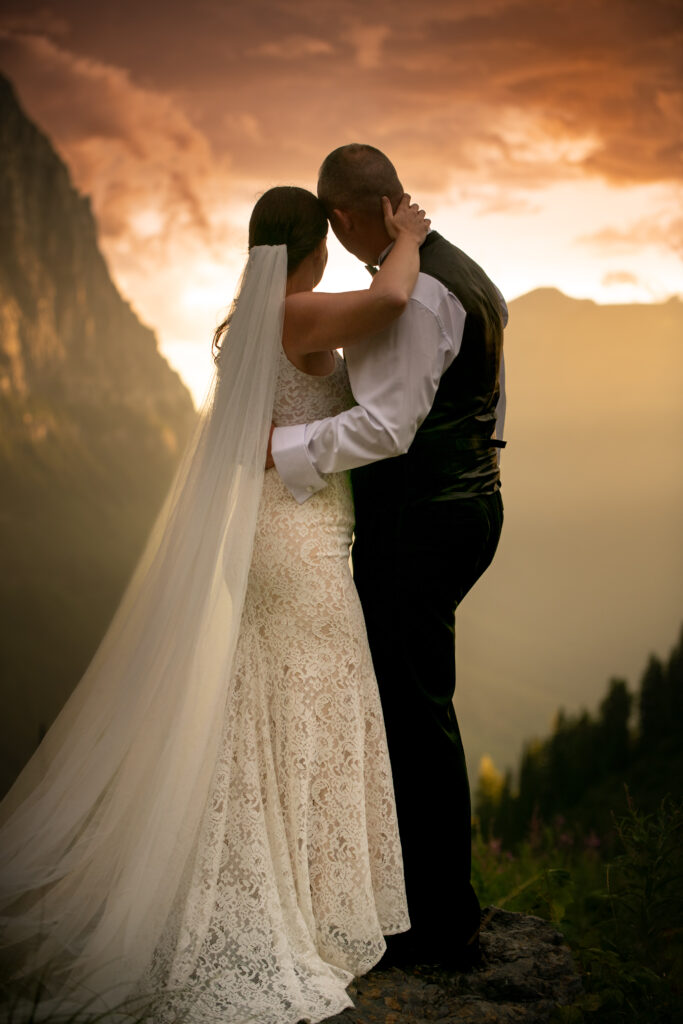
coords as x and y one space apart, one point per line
654 706
613 732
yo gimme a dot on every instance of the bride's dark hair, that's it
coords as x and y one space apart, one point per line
285 215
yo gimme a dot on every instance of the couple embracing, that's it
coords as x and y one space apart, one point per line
258 790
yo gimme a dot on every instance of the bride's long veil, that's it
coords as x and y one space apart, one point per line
97 830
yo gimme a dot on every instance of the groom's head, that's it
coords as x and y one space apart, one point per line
351 184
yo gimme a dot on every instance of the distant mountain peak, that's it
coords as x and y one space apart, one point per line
549 296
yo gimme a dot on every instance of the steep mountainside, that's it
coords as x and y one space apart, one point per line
92 420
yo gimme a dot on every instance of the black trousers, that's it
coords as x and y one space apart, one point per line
412 569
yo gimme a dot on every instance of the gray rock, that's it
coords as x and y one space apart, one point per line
528 971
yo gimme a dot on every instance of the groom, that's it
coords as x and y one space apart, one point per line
423 444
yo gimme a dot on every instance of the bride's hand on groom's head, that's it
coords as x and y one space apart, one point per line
408 219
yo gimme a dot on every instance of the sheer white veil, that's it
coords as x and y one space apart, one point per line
97 830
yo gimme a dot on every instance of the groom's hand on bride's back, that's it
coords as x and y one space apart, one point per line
269 453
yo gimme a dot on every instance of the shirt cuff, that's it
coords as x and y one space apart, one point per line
293 462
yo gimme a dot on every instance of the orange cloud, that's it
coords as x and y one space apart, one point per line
127 146
508 90
663 232
615 277
173 122
292 48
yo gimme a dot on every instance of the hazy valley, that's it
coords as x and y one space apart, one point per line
587 580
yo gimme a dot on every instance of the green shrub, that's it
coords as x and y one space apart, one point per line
622 917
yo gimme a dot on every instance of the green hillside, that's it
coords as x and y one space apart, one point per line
589 834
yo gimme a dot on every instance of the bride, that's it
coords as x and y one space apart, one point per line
210 821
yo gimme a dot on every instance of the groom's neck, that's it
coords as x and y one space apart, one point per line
377 241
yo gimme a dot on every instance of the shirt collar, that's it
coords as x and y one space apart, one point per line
385 252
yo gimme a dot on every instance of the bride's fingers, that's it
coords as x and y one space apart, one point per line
415 207
407 216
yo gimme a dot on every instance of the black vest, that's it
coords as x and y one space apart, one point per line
453 454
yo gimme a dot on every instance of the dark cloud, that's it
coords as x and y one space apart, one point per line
500 87
126 146
189 110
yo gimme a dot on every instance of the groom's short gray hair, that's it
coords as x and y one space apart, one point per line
355 177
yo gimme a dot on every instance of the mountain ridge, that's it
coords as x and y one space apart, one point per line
61 316
92 421
552 292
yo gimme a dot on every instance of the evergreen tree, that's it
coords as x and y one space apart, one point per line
581 768
613 732
674 674
654 706
532 780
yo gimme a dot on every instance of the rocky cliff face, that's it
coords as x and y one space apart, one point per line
92 420
66 335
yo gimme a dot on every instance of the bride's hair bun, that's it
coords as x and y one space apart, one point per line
291 216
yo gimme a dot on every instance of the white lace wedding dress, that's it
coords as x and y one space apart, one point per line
297 869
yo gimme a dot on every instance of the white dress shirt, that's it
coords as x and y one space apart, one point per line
394 377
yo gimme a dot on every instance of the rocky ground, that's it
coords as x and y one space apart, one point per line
527 972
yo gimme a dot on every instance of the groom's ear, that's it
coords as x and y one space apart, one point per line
343 219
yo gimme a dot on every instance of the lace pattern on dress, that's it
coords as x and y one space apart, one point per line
297 869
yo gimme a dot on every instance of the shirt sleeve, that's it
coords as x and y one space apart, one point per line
394 377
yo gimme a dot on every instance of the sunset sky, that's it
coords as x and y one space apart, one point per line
544 138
